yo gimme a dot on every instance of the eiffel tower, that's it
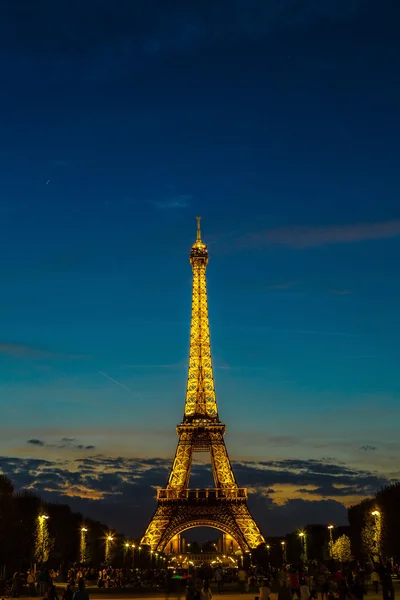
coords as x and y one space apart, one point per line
178 506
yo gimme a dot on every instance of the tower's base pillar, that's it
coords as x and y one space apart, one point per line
176 545
227 545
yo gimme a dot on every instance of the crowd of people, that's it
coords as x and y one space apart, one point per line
313 583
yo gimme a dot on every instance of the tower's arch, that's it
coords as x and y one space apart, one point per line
181 528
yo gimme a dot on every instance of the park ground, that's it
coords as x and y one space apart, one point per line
230 593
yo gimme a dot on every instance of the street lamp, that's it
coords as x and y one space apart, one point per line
109 540
377 533
283 544
42 536
303 537
330 528
83 545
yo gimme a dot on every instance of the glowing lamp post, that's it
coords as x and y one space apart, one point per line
330 545
283 544
377 533
109 541
83 545
303 538
42 539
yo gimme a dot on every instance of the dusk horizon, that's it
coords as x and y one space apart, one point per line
279 127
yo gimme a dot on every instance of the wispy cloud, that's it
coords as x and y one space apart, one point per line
25 352
64 443
178 201
307 237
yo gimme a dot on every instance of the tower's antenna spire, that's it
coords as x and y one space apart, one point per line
198 229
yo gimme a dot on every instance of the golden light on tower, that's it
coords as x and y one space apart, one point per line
178 506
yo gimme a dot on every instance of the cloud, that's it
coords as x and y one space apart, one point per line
23 351
367 448
308 237
64 443
284 494
178 201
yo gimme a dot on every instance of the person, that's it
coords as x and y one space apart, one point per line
323 584
206 592
358 589
304 591
219 578
198 586
294 583
51 593
242 576
284 592
264 591
67 593
343 589
31 580
16 585
375 579
387 585
81 593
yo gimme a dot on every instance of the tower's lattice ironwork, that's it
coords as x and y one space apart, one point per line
225 506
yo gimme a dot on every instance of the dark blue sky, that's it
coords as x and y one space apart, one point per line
278 122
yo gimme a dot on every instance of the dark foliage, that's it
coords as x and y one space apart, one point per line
387 502
18 522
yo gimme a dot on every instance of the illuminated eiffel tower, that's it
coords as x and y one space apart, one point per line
180 507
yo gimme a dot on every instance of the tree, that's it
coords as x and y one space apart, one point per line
341 549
